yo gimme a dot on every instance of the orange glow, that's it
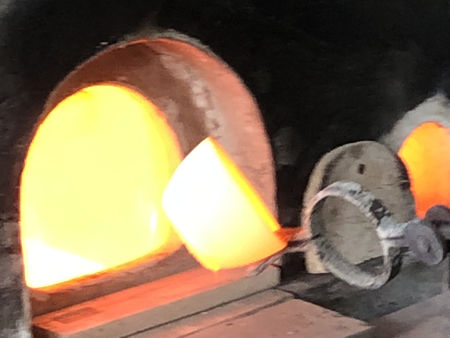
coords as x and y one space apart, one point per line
426 155
92 185
221 219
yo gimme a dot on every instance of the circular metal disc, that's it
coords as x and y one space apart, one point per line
424 242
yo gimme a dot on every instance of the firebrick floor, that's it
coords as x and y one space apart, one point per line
415 304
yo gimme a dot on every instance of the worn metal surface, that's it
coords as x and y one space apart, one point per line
378 170
333 260
314 232
439 216
424 241
418 235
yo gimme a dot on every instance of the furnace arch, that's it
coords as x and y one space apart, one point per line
426 155
199 96
421 138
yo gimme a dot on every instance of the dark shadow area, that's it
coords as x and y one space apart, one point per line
334 72
415 282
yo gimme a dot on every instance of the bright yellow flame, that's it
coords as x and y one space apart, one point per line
92 185
69 264
426 155
221 219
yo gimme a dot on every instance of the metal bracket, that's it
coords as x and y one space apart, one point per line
423 237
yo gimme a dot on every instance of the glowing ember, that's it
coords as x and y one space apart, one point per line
221 219
426 154
92 184
69 264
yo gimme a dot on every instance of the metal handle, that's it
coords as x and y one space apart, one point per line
424 237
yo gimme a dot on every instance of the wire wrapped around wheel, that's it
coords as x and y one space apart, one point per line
333 260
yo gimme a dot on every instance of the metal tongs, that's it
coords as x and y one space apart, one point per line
423 237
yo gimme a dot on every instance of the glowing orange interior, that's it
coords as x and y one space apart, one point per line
218 214
426 155
92 185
